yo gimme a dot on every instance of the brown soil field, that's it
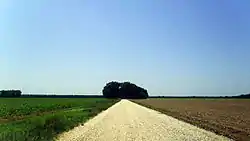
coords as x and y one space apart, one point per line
228 117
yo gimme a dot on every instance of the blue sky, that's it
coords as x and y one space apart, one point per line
170 47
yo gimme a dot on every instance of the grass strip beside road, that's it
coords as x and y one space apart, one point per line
46 127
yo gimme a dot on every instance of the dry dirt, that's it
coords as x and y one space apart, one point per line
127 121
228 117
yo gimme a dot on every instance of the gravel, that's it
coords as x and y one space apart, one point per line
127 121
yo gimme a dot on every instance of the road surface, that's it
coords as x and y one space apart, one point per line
127 121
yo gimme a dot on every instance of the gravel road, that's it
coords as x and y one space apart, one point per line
127 121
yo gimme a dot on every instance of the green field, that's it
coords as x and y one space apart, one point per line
26 119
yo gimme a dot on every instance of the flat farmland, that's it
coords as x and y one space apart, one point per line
40 119
228 117
12 109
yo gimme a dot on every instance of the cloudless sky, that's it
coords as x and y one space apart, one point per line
170 47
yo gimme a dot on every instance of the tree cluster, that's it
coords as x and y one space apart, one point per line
10 93
244 96
124 90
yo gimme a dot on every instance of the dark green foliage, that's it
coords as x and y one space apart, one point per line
111 89
124 90
10 93
244 96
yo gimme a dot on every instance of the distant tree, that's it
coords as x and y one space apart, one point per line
124 90
111 90
10 93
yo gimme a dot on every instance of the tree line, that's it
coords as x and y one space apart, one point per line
10 93
126 90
